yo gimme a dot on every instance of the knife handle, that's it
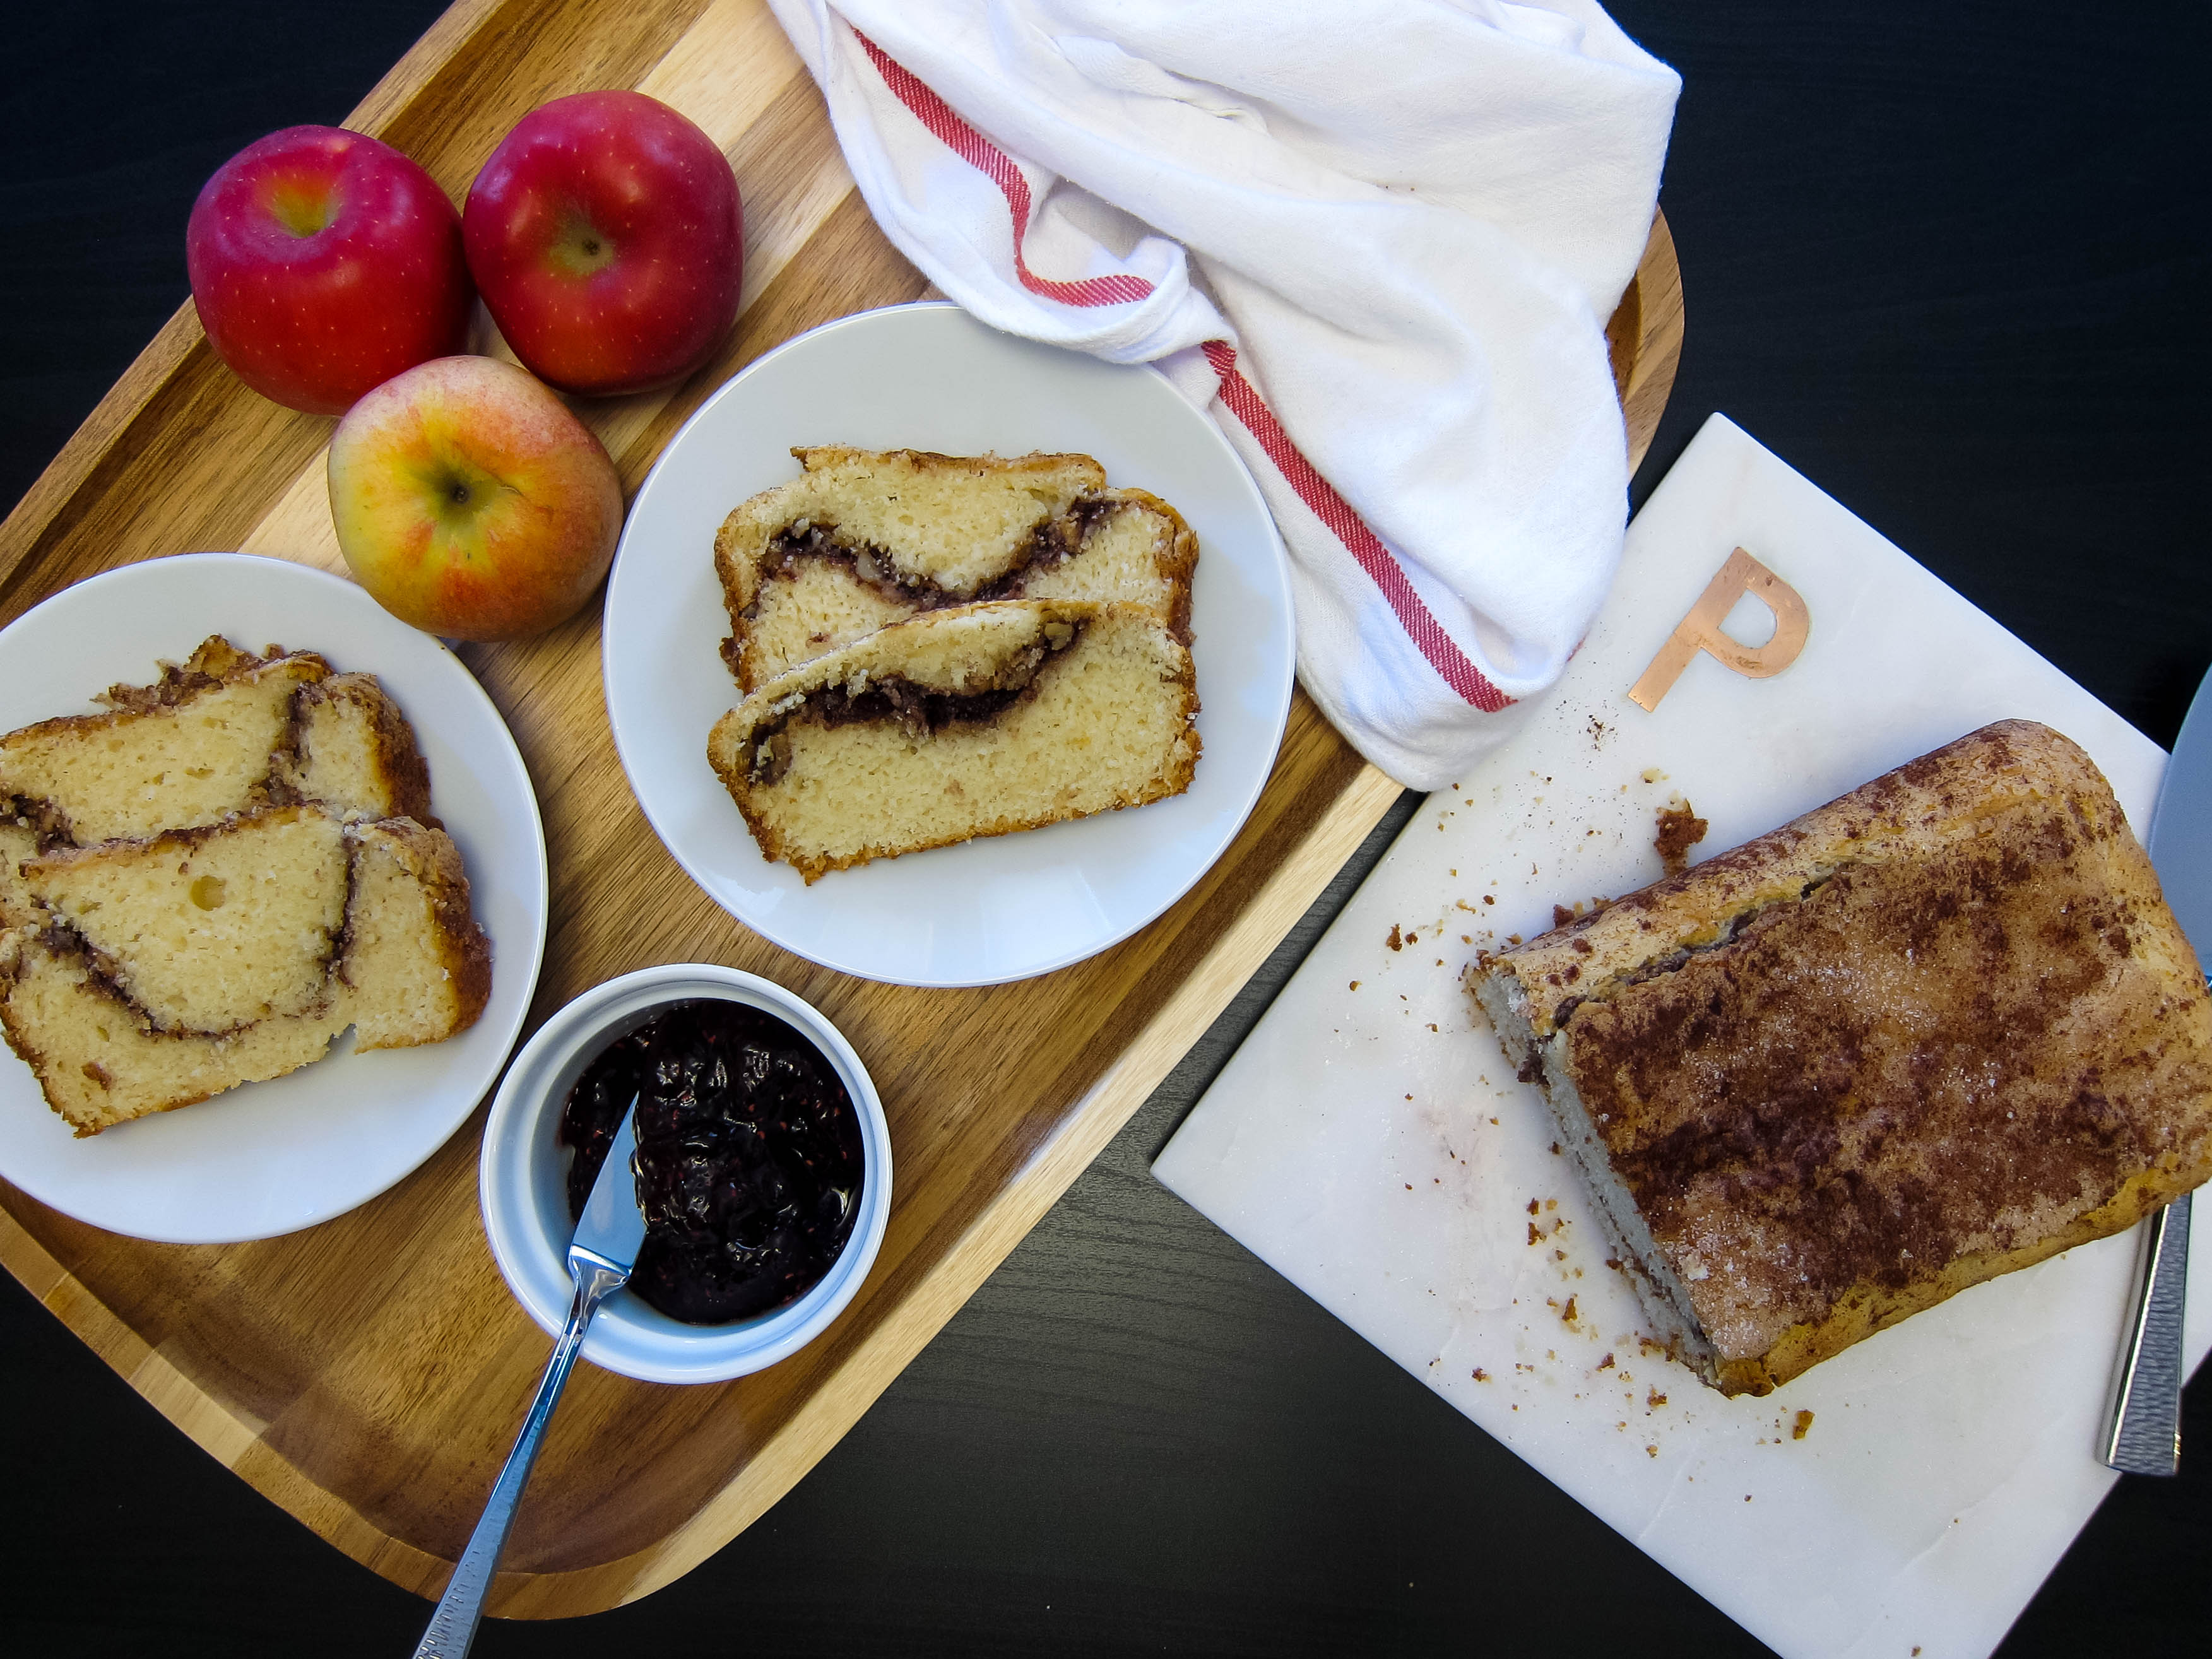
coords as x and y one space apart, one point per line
453 1626
2144 1434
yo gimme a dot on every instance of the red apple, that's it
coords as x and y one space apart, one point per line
323 262
604 234
470 502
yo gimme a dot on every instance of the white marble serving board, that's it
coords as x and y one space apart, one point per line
1370 1142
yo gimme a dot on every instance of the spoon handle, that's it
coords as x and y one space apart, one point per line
453 1626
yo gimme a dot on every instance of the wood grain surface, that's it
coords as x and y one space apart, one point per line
367 1374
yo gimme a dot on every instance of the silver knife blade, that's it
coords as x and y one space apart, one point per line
2142 1432
612 1225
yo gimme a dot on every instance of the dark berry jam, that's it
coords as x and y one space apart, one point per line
749 1162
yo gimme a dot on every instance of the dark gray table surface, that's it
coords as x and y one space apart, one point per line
1947 257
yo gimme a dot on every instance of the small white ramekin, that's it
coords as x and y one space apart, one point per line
523 1174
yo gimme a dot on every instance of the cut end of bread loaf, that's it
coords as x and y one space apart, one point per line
971 722
866 538
1940 1029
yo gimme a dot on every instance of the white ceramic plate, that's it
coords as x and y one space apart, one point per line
930 377
271 1158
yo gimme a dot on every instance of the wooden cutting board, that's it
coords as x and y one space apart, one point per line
369 1375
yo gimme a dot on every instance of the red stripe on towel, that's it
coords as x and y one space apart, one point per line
1421 624
979 152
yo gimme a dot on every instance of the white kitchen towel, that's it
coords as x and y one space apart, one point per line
1377 240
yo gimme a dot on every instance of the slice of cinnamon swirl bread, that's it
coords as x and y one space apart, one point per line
98 1066
1939 1028
868 537
191 748
973 722
161 971
223 732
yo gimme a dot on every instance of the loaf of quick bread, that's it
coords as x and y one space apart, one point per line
863 538
978 720
1938 1030
207 883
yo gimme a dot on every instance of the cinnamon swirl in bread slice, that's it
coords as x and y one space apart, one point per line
352 753
868 537
1938 1030
979 720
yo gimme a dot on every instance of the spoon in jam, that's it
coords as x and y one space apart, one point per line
600 1257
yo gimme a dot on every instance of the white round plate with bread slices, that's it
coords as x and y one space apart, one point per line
929 378
271 1157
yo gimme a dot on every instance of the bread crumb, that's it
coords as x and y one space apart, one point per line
1680 829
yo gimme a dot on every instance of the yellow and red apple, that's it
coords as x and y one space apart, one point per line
605 234
323 262
470 502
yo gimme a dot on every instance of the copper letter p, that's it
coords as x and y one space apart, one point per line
1701 629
